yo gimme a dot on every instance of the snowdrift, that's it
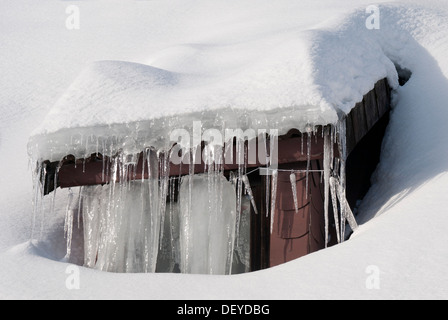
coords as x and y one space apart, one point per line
285 75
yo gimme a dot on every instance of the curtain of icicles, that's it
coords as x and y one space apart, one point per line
198 223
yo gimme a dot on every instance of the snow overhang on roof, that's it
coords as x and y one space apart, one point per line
291 78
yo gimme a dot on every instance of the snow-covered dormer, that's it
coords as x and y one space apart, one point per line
215 157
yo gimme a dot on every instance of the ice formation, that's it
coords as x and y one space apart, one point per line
273 194
191 223
249 193
292 178
193 88
121 220
207 224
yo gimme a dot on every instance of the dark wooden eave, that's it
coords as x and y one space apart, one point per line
91 171
374 105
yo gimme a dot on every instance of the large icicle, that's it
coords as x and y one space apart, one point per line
308 160
274 178
268 177
185 218
37 196
344 204
351 218
239 190
334 200
174 224
122 221
249 192
92 215
68 225
152 203
164 170
327 161
342 129
206 244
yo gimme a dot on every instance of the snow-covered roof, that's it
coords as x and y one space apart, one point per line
281 74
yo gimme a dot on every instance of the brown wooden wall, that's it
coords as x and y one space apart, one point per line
297 234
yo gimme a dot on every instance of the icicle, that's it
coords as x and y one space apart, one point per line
164 181
333 184
150 186
121 219
42 209
230 227
343 157
350 217
154 213
207 254
79 211
114 247
212 215
241 169
301 144
344 204
134 166
268 191
84 165
173 224
292 179
97 145
38 195
332 130
55 183
327 160
249 192
68 226
186 216
308 161
102 218
103 160
92 218
268 178
273 197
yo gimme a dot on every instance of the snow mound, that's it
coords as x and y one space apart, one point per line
405 242
112 91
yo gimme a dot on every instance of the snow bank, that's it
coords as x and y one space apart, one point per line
406 240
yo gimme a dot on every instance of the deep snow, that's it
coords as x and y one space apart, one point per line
402 232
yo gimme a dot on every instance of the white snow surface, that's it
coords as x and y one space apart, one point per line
288 62
263 67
